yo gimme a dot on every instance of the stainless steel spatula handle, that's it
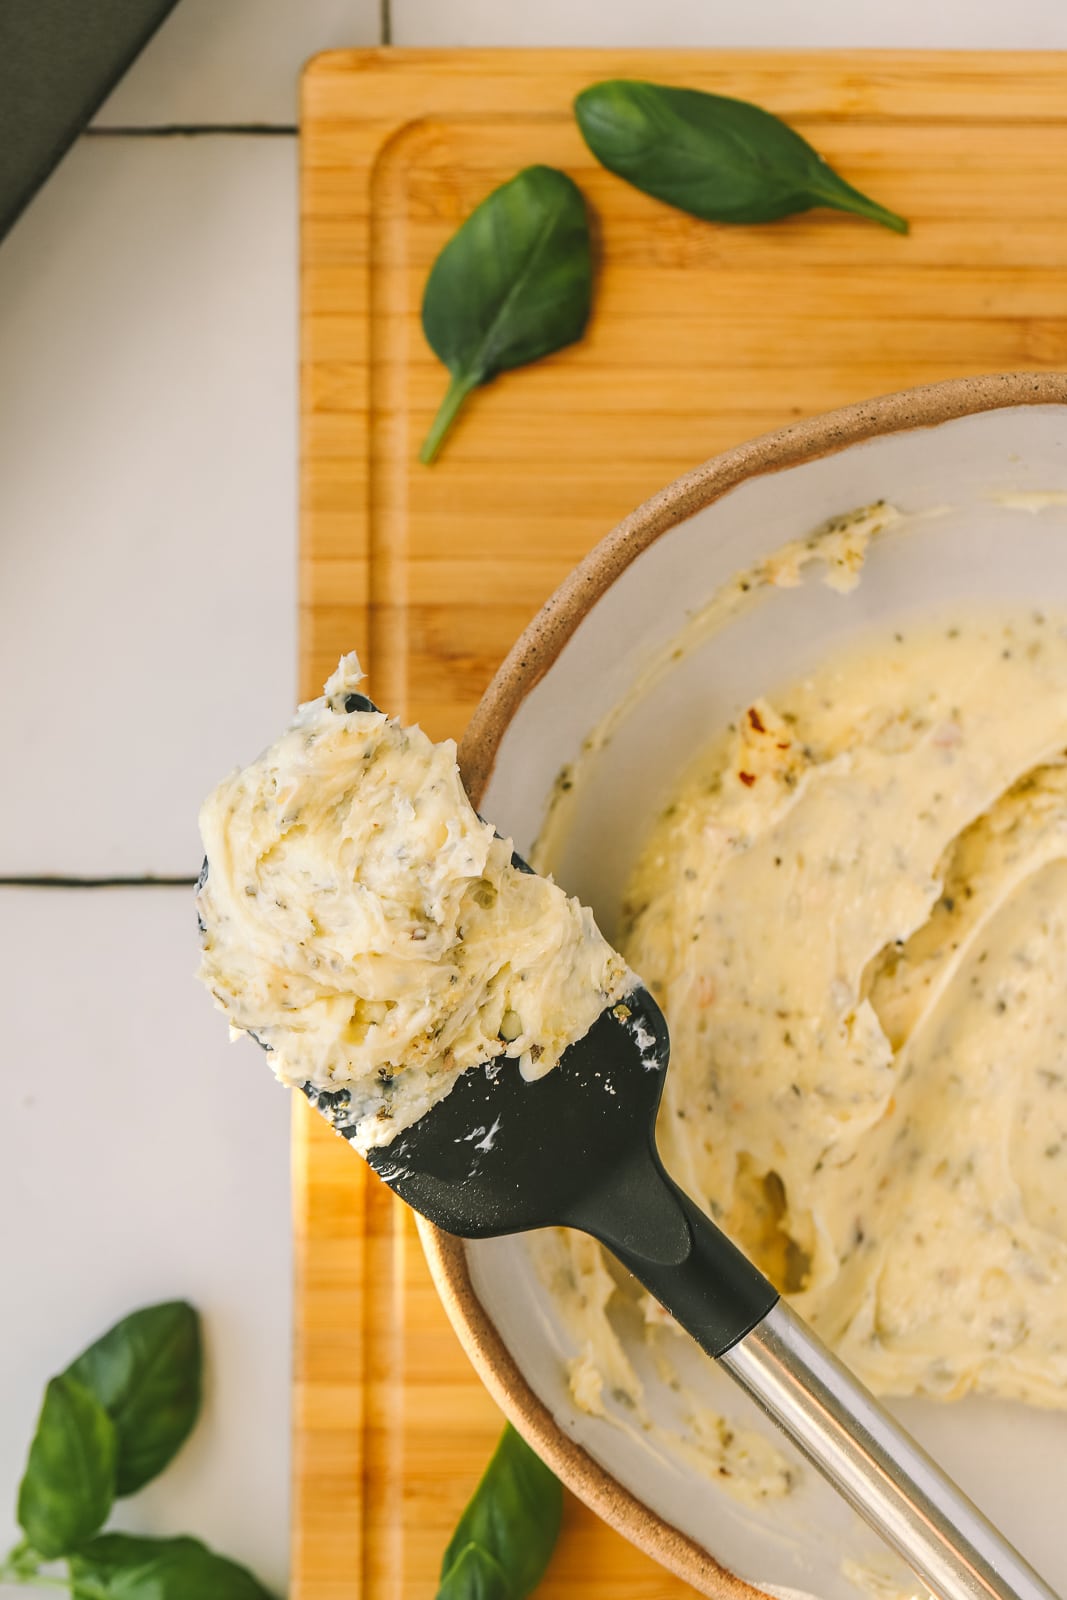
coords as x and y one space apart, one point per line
838 1425
875 1465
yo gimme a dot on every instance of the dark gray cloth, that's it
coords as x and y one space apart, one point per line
59 59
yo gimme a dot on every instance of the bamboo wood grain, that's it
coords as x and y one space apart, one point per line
701 337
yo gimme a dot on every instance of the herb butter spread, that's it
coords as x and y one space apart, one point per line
854 913
365 926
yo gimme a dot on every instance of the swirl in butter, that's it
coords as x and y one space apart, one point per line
854 913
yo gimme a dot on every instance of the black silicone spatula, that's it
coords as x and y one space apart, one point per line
577 1147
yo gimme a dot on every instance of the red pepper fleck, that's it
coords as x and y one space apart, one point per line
756 720
747 778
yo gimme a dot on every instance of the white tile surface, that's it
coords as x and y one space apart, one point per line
951 24
142 1158
148 311
234 60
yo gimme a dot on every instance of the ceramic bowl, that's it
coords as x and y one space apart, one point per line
978 467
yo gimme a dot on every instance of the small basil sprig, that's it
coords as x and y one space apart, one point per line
505 1537
109 1424
720 159
513 284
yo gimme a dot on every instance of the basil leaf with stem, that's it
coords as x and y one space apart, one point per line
720 159
119 1567
513 284
69 1483
146 1373
506 1535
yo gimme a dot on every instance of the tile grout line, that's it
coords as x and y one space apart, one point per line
193 130
196 130
46 882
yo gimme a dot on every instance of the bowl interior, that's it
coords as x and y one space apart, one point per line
983 500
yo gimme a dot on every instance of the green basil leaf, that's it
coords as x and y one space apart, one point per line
69 1482
720 159
146 1373
119 1567
513 284
506 1535
475 1575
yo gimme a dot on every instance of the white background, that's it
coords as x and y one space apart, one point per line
147 642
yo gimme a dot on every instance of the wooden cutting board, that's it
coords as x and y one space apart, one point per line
701 337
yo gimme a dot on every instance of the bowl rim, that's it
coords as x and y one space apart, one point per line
535 651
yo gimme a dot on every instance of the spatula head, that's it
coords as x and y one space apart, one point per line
499 1155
